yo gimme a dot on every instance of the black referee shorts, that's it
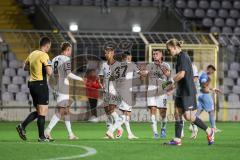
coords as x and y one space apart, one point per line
186 103
39 92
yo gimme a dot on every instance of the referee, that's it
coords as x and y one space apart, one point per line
185 99
39 66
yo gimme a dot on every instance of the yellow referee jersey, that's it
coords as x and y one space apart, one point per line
37 61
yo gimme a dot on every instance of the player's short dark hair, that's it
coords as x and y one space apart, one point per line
211 67
108 48
159 50
124 56
118 57
65 45
127 53
43 41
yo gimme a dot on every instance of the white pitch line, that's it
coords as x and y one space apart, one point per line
90 151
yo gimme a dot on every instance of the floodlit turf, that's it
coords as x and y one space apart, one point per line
227 144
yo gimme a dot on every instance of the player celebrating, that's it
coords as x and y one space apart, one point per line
127 57
39 65
122 75
205 101
185 94
109 97
157 70
61 72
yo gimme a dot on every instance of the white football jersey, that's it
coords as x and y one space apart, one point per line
123 70
122 76
61 66
197 74
195 70
123 73
155 72
105 72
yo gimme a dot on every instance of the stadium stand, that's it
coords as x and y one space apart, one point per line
122 3
213 15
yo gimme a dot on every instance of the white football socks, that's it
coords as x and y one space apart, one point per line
109 121
53 122
118 123
154 124
68 124
116 117
127 125
164 122
69 127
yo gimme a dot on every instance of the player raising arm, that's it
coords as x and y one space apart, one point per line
110 99
122 76
158 70
61 72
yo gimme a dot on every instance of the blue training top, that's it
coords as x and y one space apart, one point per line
204 80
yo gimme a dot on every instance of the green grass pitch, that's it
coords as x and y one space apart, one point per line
227 144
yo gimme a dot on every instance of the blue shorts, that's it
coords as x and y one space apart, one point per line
205 102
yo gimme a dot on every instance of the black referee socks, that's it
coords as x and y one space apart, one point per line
198 122
31 117
178 129
41 124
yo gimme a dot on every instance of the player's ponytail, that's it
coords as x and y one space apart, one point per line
174 42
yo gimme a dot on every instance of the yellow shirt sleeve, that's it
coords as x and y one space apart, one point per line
45 60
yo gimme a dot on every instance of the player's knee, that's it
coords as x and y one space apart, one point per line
211 113
177 116
127 118
106 110
122 118
186 115
67 117
111 109
163 113
66 112
61 112
153 110
189 117
109 112
42 110
153 119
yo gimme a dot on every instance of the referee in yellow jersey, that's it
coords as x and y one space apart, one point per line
39 66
